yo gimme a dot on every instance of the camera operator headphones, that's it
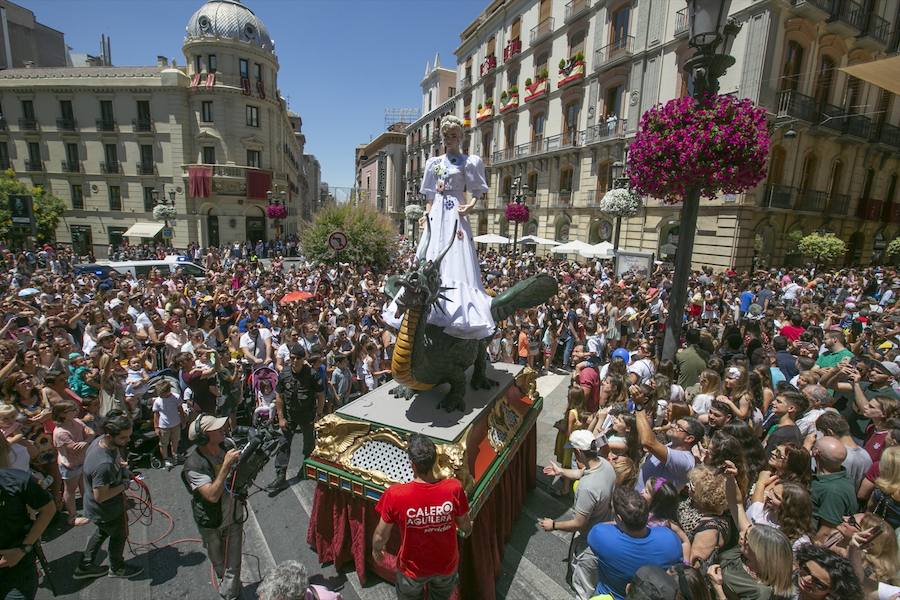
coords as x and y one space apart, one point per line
200 437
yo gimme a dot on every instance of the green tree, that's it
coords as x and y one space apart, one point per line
371 237
822 248
47 208
894 247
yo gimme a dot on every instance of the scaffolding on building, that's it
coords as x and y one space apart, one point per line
395 118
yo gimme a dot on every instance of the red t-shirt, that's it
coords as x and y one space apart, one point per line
591 379
425 514
791 332
875 442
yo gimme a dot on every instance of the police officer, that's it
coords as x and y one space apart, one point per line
218 514
299 400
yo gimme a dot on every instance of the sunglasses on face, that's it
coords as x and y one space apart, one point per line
818 584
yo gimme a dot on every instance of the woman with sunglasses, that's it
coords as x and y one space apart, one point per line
825 575
759 568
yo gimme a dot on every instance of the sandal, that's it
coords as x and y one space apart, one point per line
78 521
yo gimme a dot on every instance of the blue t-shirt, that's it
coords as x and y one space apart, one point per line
619 555
746 301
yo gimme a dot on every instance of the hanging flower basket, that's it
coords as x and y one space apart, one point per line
719 144
276 211
620 203
162 212
517 213
414 212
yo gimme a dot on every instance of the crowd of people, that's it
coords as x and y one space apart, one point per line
763 461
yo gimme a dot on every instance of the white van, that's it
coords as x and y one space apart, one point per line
142 268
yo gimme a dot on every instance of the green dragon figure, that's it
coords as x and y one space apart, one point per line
424 356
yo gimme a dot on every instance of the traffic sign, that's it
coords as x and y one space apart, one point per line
167 233
337 241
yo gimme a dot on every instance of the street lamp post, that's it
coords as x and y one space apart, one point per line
712 35
520 190
272 201
619 182
160 200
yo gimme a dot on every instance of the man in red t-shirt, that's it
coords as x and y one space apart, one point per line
428 511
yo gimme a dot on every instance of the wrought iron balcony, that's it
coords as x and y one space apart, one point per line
29 124
869 209
796 105
859 126
889 135
561 199
847 14
813 9
489 64
465 82
540 145
69 166
106 125
779 196
146 169
512 48
142 125
111 168
878 31
838 204
576 8
610 129
614 53
34 165
811 201
833 117
541 31
681 22
66 124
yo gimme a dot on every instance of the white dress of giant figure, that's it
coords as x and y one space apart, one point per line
466 312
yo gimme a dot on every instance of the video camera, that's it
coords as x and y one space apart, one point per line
257 445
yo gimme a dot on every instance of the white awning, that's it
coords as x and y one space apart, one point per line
143 229
491 238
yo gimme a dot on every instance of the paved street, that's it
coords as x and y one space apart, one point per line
276 530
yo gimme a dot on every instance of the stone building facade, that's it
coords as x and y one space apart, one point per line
554 92
214 134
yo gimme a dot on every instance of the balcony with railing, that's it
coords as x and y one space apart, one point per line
111 167
576 8
489 64
811 201
3 124
146 168
877 34
29 124
847 18
142 125
512 48
815 10
33 165
540 145
614 53
779 196
66 124
681 22
833 117
465 82
887 134
106 125
869 209
838 204
232 180
859 126
71 166
561 199
592 198
541 31
798 106
611 129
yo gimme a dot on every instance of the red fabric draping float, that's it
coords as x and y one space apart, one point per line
258 183
200 182
341 528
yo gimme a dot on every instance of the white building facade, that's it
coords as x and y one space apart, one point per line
554 91
215 136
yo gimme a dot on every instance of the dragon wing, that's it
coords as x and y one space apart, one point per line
535 290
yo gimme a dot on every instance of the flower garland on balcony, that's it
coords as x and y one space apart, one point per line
164 212
413 212
276 211
718 144
517 213
620 202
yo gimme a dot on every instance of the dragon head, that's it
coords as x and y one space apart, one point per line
421 286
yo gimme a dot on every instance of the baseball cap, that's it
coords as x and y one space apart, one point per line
583 439
891 367
206 423
115 302
621 353
652 583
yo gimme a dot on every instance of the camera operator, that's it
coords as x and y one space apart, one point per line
299 400
106 477
218 514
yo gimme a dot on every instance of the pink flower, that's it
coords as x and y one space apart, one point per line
517 213
439 186
276 211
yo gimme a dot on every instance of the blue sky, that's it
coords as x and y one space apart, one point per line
342 61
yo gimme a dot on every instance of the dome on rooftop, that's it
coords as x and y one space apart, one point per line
228 19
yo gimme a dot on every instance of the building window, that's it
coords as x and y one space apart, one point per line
77 198
209 155
146 166
532 184
106 111
252 116
198 64
28 110
604 177
211 63
148 199
115 198
793 65
565 179
257 71
570 122
613 101
4 156
451 92
254 159
72 156
82 240
116 235
244 68
206 111
143 111
66 112
34 152
111 153
537 129
619 22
